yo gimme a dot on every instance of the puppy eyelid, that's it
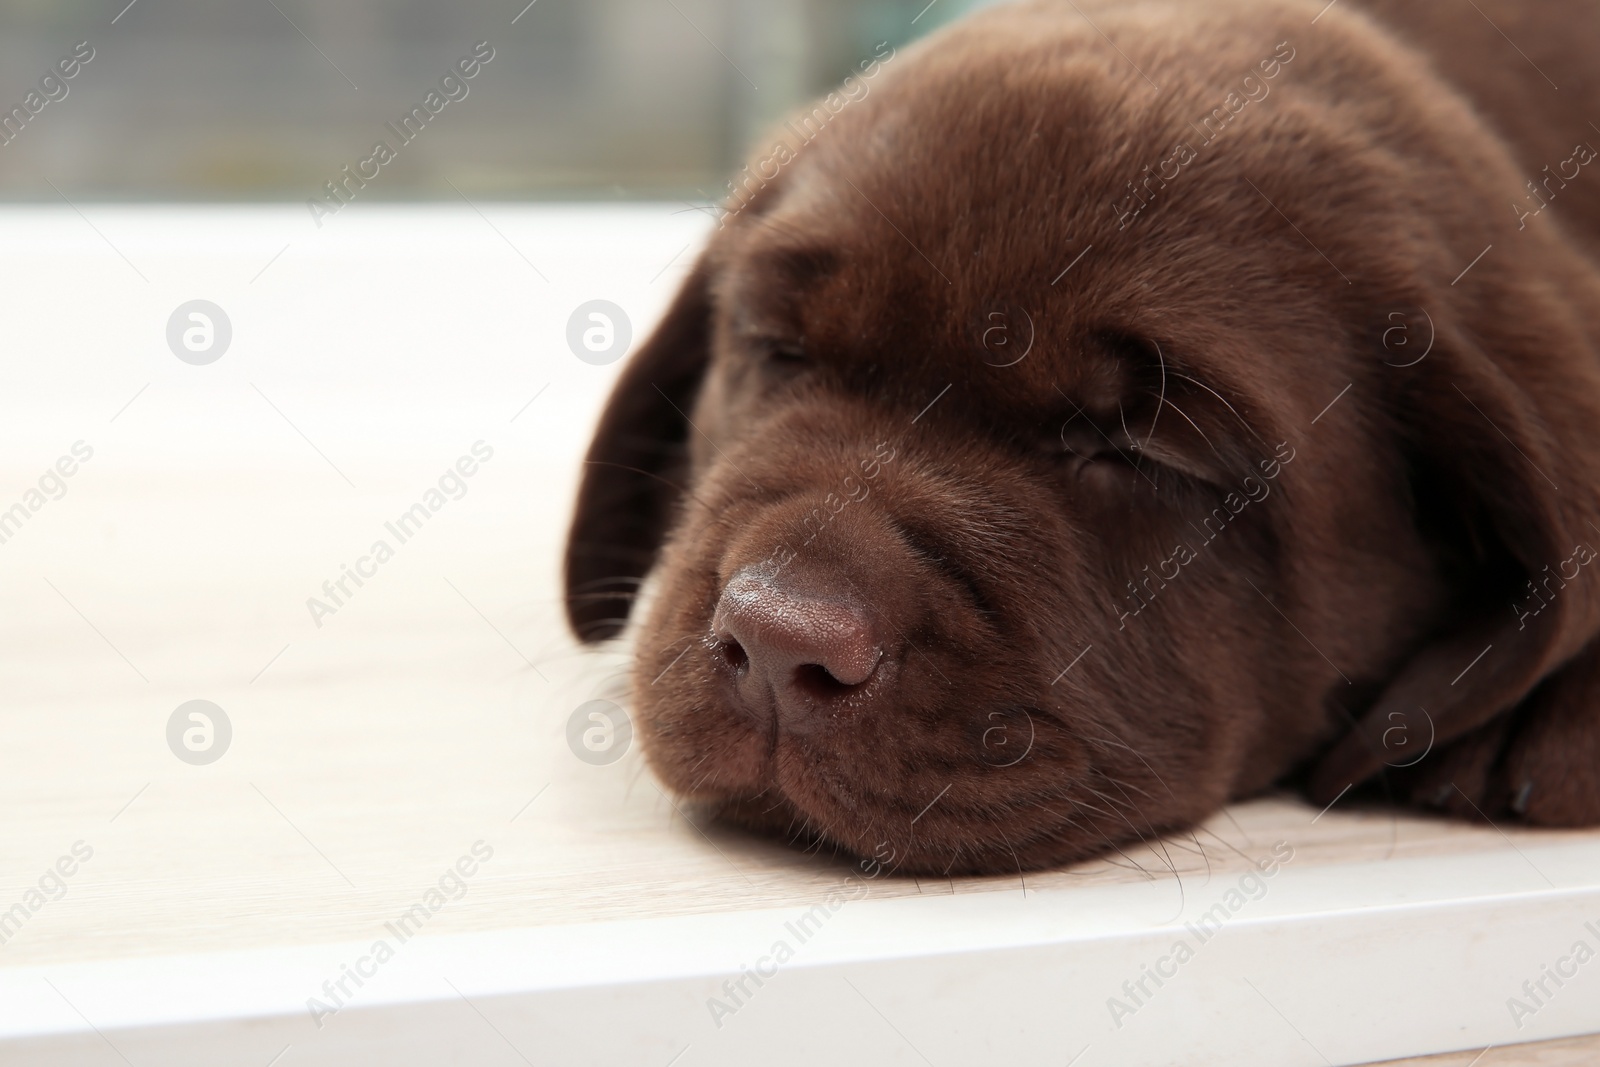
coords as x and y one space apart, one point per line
1085 440
779 349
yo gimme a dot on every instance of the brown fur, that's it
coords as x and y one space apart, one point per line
1349 562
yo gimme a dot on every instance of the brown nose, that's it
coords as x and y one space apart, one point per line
794 651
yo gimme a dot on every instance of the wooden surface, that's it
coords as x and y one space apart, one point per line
428 713
1572 1052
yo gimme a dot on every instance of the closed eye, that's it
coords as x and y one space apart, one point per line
1114 459
785 350
1081 442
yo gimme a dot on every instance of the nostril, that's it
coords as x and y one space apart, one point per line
814 679
733 654
817 681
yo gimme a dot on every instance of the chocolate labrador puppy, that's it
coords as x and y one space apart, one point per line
1101 410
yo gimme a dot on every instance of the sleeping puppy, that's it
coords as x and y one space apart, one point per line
1102 410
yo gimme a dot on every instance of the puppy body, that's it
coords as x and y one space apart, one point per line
1155 398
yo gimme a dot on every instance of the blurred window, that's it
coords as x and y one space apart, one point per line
251 99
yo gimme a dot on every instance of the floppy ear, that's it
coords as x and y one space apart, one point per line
634 466
1505 456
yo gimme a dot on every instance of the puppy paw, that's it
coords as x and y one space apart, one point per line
1549 775
1460 779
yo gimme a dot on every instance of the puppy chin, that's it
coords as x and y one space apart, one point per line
773 815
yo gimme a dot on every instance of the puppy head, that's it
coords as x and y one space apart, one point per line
987 534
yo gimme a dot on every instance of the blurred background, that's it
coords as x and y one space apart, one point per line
269 99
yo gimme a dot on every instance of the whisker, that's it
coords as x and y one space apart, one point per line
1173 404
1225 403
669 483
1203 855
1165 856
1161 401
613 579
1137 755
1118 849
1229 816
629 597
1133 444
1242 855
